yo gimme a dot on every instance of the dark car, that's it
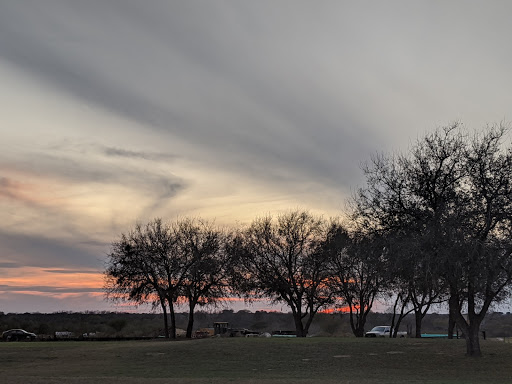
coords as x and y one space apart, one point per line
18 335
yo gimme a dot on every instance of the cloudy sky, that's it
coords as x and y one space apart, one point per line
115 111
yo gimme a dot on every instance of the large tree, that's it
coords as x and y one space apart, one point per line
282 260
407 199
133 267
357 263
449 197
205 281
148 265
480 272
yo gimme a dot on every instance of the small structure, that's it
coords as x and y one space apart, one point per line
220 327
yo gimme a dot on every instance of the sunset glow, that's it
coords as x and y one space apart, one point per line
336 310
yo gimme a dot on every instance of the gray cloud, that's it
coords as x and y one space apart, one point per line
48 252
76 167
4 182
6 187
245 103
9 265
119 152
48 45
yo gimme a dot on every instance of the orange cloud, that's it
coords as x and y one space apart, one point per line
336 310
38 191
31 279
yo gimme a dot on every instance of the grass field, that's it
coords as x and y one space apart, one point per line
255 360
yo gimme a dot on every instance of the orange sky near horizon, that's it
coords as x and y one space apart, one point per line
68 285
63 285
56 283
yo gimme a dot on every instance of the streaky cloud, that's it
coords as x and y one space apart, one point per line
72 271
26 250
119 152
8 265
48 289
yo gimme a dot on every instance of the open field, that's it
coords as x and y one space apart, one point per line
255 360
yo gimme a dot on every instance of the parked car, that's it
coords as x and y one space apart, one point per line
18 335
383 331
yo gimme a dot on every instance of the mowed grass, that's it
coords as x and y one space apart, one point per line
255 360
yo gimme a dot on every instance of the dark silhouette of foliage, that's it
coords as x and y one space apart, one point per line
281 260
205 282
167 264
357 272
446 206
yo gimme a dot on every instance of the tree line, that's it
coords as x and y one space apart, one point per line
431 225
145 325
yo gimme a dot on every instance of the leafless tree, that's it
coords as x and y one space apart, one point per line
481 272
281 259
205 281
356 262
449 198
406 199
133 270
148 265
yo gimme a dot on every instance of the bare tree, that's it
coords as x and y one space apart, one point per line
450 196
282 260
407 199
132 268
356 263
482 271
147 265
205 282
416 272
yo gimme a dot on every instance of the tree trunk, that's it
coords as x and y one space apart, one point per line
305 330
394 332
173 320
401 316
418 317
473 341
166 323
451 328
357 321
452 314
190 324
299 327
471 328
359 331
358 324
352 322
393 319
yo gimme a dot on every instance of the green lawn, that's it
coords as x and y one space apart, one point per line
255 360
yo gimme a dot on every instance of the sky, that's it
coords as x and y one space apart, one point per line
120 111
